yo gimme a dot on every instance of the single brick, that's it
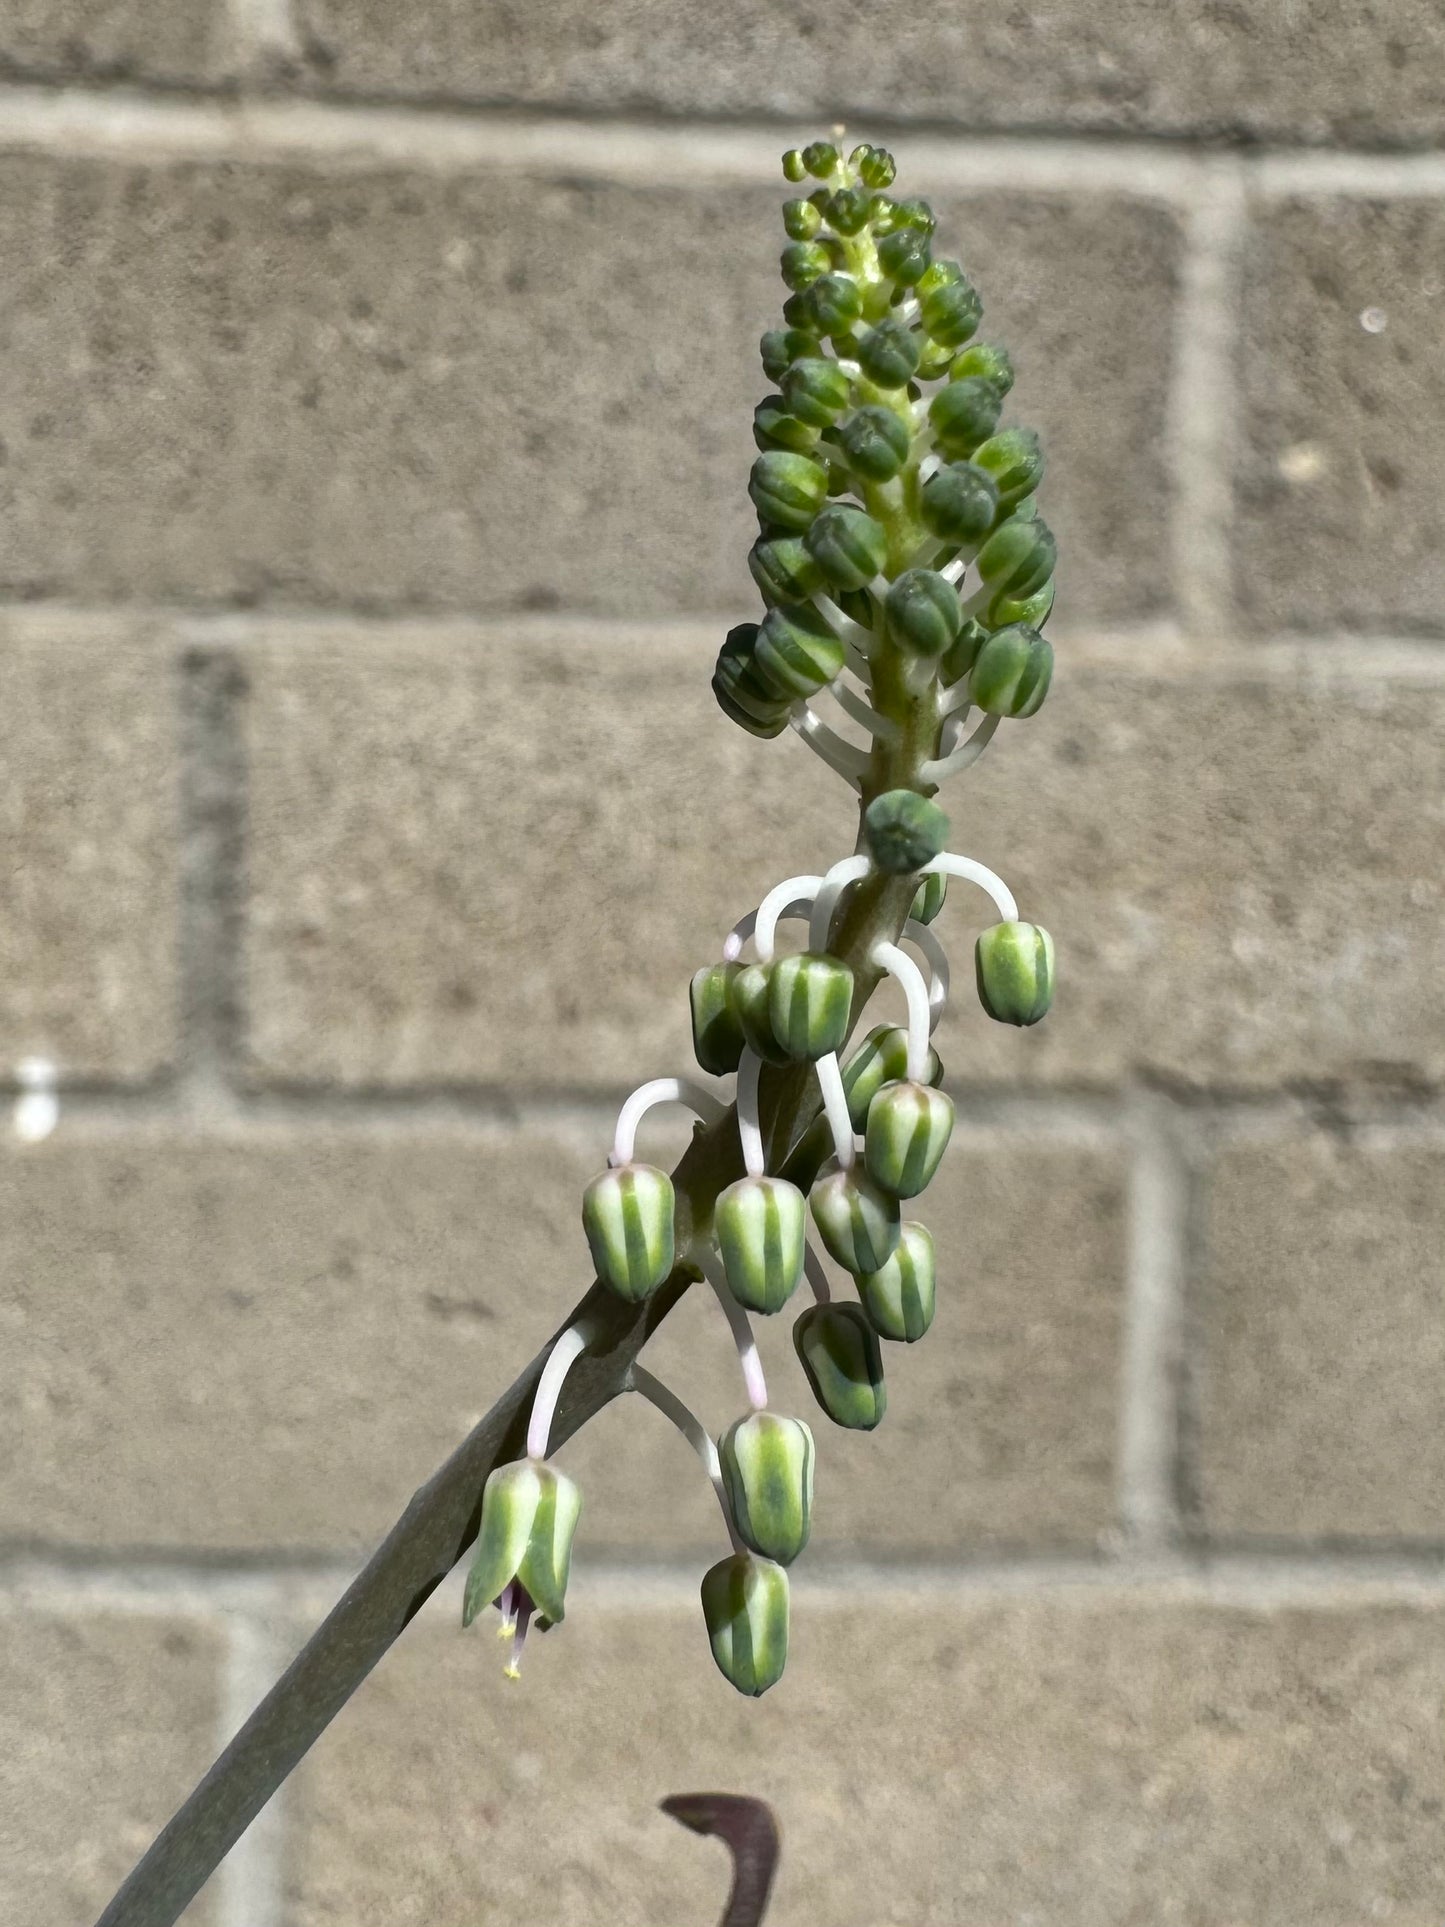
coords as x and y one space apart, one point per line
1239 864
271 1341
106 1721
943 1756
1320 1323
388 389
1341 482
88 857
126 40
1370 72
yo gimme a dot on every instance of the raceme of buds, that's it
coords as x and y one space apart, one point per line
745 1607
529 1515
898 1300
904 831
760 1229
627 1215
881 1059
767 1468
838 1349
809 1000
857 1219
907 1133
1014 963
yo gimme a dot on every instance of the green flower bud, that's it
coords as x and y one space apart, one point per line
1015 968
949 315
529 1514
774 427
856 1219
839 1352
820 158
835 303
964 414
1015 459
765 726
1011 676
809 1001
899 1299
797 650
783 569
1019 556
904 831
767 1468
717 1036
927 904
1032 610
923 612
986 361
760 1230
801 219
883 215
794 166
959 502
745 1605
798 312
963 652
816 390
802 262
876 442
848 209
876 166
627 1215
787 489
739 683
907 1133
781 347
904 255
750 1001
917 213
881 1059
934 362
848 546
888 354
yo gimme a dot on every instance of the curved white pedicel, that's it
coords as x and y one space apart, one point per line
835 1108
750 1067
901 966
741 1328
777 903
857 706
844 758
661 1090
856 639
852 869
964 755
923 938
950 865
691 1428
564 1354
743 929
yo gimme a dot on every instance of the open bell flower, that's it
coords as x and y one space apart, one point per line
524 1549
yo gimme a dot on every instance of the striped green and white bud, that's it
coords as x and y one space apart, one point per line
888 354
907 1133
904 256
752 1004
781 347
810 997
767 1468
985 359
787 489
1019 556
797 651
775 427
1014 963
964 414
950 315
857 1219
1015 460
834 303
848 546
1031 610
745 1605
959 502
783 569
838 1350
529 1515
760 1229
876 442
928 902
899 1299
816 390
1013 671
903 831
923 612
881 1059
627 1215
717 1036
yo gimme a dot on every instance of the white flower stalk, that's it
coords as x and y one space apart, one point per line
661 1090
949 865
741 1327
901 967
696 1434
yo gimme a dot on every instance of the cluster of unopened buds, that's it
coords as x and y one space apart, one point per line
876 501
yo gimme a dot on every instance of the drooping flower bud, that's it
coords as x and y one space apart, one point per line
1015 460
816 390
760 1230
783 569
899 1299
774 427
959 502
795 168
904 831
717 1036
801 220
928 903
1014 963
881 1059
906 1135
875 441
950 314
745 1605
802 262
787 489
986 359
809 1000
1012 674
627 1215
751 1003
838 1350
857 1220
797 651
742 691
848 546
888 354
767 1468
781 347
529 1515
1019 556
964 414
923 612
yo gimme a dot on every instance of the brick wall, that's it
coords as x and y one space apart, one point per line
333 632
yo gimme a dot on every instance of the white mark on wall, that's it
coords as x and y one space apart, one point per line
37 1109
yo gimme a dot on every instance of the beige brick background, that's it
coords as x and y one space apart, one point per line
375 387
